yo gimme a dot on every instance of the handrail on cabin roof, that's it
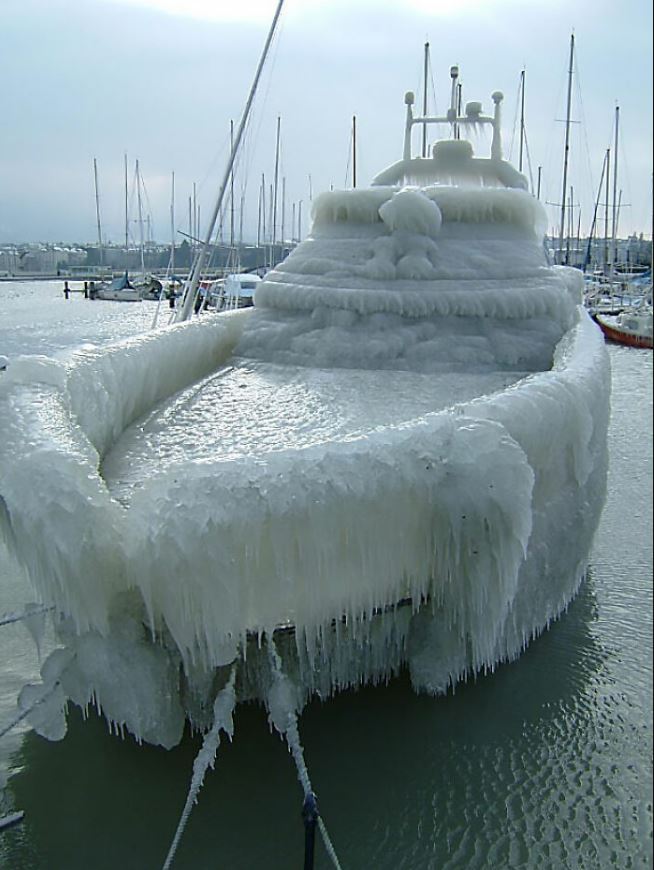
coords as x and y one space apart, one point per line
472 117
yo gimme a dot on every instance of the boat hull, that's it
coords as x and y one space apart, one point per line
459 513
623 336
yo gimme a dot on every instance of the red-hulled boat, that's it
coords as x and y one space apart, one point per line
633 328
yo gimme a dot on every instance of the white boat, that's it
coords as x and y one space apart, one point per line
119 289
235 290
395 459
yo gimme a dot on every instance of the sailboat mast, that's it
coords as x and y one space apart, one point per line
97 212
283 229
424 100
606 212
594 222
567 143
275 188
614 221
522 117
126 221
231 192
140 208
172 226
354 150
569 232
261 214
194 224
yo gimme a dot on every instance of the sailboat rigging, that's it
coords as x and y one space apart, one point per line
193 282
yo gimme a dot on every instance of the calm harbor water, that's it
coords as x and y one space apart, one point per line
545 763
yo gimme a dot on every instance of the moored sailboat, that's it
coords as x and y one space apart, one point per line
632 327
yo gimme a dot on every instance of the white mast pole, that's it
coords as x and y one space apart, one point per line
260 210
354 151
97 211
172 226
138 198
283 228
275 190
231 193
567 145
192 284
606 213
522 117
126 220
614 221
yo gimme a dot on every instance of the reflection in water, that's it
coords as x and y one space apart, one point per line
533 766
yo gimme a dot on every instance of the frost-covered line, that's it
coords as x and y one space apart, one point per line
328 843
9 618
223 709
282 714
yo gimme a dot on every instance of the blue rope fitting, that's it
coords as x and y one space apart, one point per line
310 809
310 816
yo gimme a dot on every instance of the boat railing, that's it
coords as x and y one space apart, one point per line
473 118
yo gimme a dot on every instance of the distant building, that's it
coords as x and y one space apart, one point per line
40 259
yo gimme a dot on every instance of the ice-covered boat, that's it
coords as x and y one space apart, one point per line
632 326
395 459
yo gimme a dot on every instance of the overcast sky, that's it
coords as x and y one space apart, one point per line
160 81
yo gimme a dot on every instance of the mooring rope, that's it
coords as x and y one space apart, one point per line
223 709
292 735
8 618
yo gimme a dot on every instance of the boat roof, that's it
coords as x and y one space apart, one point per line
242 284
121 283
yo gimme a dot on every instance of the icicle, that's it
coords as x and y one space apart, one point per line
223 708
34 622
24 713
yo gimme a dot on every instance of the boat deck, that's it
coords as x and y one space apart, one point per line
250 408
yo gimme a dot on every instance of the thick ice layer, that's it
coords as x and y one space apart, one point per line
417 279
446 506
453 456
